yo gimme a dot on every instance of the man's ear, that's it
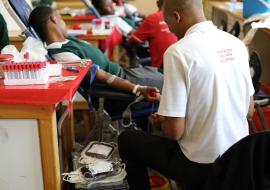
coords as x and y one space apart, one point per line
53 19
177 16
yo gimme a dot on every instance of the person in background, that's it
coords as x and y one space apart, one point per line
107 11
154 30
129 11
206 100
105 7
3 33
51 28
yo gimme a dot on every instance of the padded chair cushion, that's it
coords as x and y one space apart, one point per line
22 9
244 166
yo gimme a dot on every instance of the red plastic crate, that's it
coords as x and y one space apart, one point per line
266 112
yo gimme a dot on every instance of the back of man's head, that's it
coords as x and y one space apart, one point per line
182 14
187 6
38 20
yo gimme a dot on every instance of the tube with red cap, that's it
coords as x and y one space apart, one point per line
153 94
26 56
120 3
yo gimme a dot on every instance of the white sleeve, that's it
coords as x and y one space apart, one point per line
251 87
174 96
66 56
123 26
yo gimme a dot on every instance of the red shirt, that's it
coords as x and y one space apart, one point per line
156 32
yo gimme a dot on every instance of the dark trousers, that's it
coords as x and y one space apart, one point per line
140 151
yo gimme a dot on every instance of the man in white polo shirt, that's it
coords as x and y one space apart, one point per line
206 99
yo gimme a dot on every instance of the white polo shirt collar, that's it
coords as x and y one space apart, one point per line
201 26
57 44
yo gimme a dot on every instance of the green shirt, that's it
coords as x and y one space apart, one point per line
130 22
3 33
85 50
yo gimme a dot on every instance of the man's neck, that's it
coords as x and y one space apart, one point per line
195 20
55 37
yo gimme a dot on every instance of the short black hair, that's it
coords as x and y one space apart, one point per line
189 7
98 4
38 20
160 3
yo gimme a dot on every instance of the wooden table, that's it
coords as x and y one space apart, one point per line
45 115
48 138
93 39
16 39
69 4
69 20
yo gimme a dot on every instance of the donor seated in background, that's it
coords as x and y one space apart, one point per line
107 11
154 30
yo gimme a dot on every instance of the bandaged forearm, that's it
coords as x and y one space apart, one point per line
122 84
111 79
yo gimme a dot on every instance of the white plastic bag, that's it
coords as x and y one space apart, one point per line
35 49
11 49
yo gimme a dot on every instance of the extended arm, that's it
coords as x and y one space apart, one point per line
173 127
143 33
172 107
251 109
125 85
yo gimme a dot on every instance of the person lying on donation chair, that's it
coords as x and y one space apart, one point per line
107 11
154 30
3 33
137 54
52 30
207 99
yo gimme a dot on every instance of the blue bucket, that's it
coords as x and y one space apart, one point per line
251 7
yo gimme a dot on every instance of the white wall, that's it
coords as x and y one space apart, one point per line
145 6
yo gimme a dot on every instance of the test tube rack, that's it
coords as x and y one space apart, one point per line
25 73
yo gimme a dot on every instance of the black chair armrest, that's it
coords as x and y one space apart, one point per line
104 91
